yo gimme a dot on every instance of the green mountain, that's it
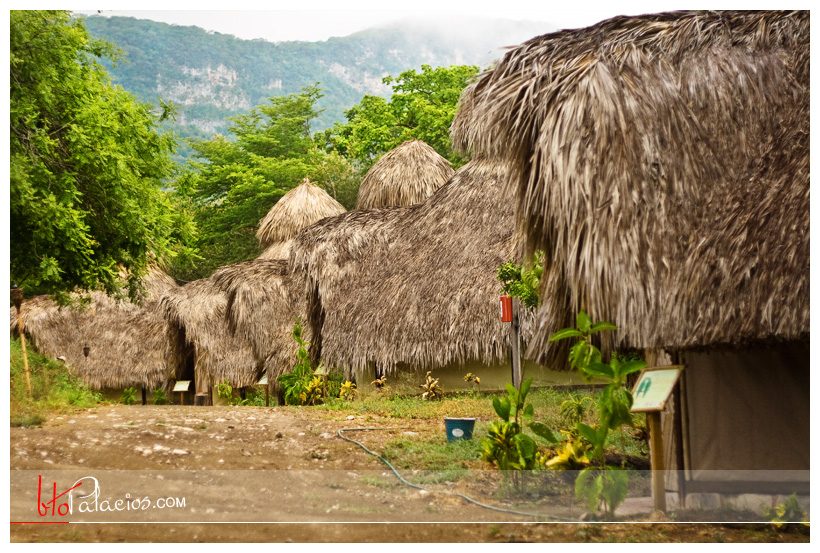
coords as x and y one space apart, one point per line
211 76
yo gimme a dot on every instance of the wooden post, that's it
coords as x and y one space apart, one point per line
653 420
144 396
516 346
25 355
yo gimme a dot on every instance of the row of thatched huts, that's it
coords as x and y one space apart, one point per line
661 162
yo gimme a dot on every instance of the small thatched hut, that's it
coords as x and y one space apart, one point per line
414 288
260 311
127 342
405 175
202 348
662 162
299 208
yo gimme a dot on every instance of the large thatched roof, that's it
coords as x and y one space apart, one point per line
196 318
261 309
299 208
128 344
414 285
405 175
663 164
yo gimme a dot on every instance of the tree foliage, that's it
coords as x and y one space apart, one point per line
233 182
86 165
422 107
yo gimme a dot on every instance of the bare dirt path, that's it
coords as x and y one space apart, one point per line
251 474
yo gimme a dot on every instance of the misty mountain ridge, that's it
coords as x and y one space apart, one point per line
211 76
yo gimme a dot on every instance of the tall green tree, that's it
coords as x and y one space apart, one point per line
234 182
422 107
87 165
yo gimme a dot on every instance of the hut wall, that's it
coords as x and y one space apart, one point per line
747 419
493 377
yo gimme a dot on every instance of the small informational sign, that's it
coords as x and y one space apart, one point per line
263 381
654 387
182 385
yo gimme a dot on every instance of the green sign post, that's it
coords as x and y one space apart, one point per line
649 396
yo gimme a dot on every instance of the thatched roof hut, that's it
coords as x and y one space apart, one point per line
414 285
202 347
405 175
299 208
261 310
127 341
662 162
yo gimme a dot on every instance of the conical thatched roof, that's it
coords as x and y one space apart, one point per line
261 310
299 208
663 164
128 341
405 175
414 285
196 318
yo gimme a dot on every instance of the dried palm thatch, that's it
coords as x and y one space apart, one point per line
299 208
128 345
261 309
405 175
662 162
414 285
196 319
277 250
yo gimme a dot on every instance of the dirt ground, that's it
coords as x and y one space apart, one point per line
270 475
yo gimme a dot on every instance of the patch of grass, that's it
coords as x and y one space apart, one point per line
431 453
378 482
53 388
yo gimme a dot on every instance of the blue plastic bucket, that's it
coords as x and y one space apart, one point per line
459 429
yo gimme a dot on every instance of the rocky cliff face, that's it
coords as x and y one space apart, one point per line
211 76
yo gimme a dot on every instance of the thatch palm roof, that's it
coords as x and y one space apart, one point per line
299 208
403 176
261 309
196 318
662 162
128 341
414 285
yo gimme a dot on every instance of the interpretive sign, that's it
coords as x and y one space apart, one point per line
653 388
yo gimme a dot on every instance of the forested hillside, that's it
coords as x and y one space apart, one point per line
211 76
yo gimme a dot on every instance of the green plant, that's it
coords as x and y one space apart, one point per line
470 377
787 512
599 486
431 388
507 446
224 390
381 382
521 281
574 409
254 397
573 456
348 391
129 395
159 397
296 382
313 392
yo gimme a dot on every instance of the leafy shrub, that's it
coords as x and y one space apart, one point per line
224 390
159 397
431 388
129 395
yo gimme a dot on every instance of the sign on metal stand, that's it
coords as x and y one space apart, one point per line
649 396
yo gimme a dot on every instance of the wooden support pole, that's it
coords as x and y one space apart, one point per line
516 346
25 355
653 420
144 396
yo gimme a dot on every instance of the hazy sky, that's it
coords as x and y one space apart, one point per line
320 20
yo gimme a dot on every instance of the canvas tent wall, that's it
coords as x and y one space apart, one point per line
662 163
